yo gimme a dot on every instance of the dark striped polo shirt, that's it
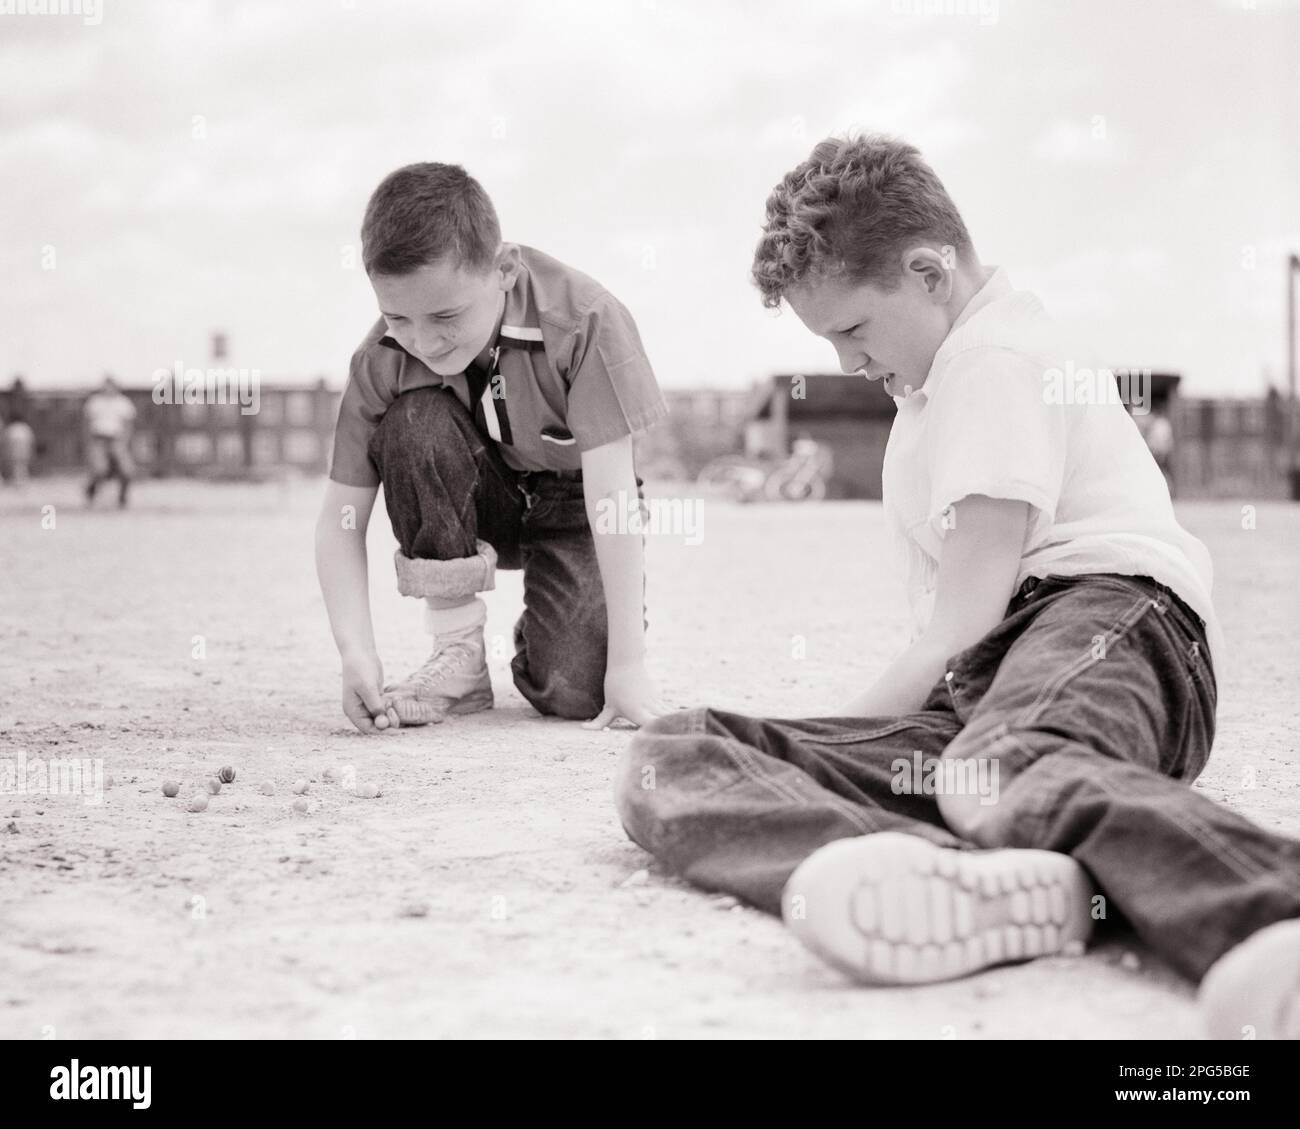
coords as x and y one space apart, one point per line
570 374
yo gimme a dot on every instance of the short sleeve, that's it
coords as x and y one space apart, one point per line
993 431
612 389
365 400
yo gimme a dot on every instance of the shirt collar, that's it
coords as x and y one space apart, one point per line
519 328
997 285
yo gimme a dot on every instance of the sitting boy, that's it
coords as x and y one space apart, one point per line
496 400
1060 693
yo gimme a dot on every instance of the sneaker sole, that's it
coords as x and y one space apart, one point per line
891 908
423 711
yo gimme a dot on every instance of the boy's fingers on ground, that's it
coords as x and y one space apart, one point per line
359 714
601 720
379 705
361 720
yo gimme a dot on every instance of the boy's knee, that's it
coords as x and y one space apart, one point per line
964 816
571 703
554 693
560 678
422 420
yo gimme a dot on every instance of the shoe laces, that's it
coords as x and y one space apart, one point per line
448 660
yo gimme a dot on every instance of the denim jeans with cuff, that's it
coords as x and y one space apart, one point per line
446 486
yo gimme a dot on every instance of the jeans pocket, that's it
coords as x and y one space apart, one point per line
969 673
549 514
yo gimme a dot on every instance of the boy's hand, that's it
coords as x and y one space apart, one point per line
362 700
630 693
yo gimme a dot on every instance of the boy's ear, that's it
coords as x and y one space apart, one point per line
928 265
508 263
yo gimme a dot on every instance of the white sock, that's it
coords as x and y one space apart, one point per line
454 621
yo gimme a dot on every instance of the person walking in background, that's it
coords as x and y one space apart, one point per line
17 446
109 418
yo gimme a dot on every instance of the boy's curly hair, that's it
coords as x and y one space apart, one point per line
423 212
848 210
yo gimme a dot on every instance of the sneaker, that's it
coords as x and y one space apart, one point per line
1253 990
891 908
455 680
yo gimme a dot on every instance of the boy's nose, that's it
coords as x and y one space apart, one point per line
852 361
429 346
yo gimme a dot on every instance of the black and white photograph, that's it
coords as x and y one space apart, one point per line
649 520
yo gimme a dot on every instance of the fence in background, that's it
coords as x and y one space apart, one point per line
1222 448
1230 448
292 429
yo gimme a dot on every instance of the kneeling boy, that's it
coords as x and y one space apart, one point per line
496 400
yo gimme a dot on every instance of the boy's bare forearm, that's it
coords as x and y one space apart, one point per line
904 685
610 493
341 565
977 572
621 559
343 571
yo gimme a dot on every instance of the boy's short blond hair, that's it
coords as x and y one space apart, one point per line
424 212
848 210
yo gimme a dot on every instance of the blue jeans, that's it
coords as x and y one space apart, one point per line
1089 709
446 486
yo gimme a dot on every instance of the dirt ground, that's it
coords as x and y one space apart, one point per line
489 891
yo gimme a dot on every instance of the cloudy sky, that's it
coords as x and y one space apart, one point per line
176 167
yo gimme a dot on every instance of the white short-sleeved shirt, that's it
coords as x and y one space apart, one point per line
995 417
108 413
